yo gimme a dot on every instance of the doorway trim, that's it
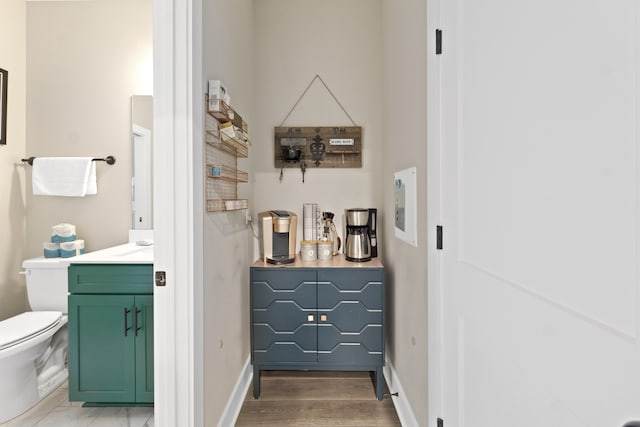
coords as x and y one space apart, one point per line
435 403
178 339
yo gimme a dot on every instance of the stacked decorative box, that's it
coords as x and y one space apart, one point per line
63 242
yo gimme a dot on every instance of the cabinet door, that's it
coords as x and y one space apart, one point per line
283 316
101 348
350 324
144 348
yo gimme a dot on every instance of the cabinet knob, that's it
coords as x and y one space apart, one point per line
323 317
310 317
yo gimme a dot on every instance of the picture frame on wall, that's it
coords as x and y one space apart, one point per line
4 76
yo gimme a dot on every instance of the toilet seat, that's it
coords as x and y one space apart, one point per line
25 326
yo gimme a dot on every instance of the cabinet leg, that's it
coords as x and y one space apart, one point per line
379 383
256 381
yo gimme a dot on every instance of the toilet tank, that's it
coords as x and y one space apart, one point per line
47 287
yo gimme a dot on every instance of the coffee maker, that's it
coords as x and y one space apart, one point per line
357 245
278 236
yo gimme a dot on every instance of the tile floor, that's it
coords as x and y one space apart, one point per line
56 411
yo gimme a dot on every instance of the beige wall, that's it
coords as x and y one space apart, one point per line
13 59
85 60
405 146
341 42
227 56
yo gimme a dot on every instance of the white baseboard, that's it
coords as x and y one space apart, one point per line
234 404
401 403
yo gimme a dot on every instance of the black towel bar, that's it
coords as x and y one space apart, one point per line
110 160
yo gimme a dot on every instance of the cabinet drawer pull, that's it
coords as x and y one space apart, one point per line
310 317
126 320
137 328
323 317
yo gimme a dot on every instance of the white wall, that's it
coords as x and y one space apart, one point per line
405 112
85 60
228 56
13 23
342 42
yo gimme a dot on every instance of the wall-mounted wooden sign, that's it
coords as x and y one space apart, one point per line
322 147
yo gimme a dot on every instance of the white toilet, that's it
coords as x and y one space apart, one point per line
33 345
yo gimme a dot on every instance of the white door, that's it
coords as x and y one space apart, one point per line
537 137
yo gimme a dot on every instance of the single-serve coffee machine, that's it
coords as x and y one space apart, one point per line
358 244
278 236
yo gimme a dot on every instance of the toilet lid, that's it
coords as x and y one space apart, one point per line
26 325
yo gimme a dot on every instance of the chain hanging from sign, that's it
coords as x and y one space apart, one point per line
321 146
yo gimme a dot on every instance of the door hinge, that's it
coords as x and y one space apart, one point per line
161 278
440 422
438 41
439 237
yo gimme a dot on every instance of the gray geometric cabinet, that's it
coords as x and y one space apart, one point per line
317 319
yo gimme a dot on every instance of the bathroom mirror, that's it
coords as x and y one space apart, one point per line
141 178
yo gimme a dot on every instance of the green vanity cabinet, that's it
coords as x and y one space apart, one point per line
317 316
111 333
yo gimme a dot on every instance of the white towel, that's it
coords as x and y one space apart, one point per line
92 185
63 176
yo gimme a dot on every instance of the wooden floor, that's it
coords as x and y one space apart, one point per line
318 399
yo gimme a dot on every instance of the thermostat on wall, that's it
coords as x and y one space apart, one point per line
405 205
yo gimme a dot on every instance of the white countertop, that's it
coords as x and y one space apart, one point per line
128 253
